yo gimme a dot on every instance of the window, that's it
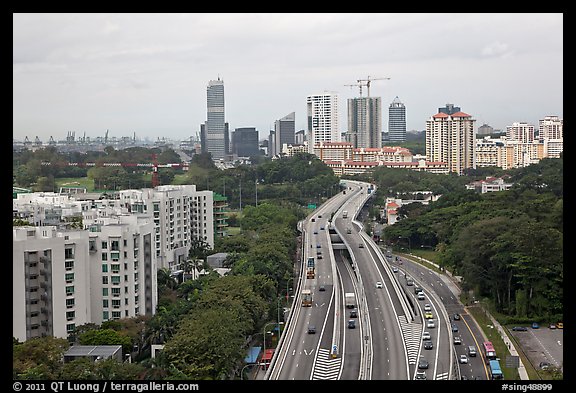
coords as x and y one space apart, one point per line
69 290
125 302
116 314
105 280
104 268
105 303
115 245
69 265
104 245
116 303
104 256
70 328
69 303
70 315
105 315
115 292
125 242
69 277
115 268
115 256
115 280
104 291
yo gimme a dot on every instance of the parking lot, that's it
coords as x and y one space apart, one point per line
542 345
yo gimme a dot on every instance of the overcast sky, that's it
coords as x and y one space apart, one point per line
148 73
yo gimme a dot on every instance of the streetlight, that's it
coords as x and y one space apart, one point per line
256 187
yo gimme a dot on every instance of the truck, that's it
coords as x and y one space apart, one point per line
306 298
345 214
310 268
350 300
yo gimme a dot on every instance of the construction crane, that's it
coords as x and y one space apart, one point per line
359 85
368 83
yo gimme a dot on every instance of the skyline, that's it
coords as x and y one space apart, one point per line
147 73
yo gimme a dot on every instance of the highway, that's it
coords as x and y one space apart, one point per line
386 342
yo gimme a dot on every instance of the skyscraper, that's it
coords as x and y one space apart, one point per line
365 122
214 133
322 111
397 121
450 139
285 129
245 142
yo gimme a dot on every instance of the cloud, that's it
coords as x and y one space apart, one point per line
496 49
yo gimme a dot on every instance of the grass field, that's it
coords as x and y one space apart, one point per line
75 182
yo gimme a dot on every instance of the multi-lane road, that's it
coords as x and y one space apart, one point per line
386 336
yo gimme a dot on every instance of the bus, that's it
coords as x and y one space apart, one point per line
306 298
489 351
495 370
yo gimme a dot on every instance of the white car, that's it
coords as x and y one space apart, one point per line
421 296
378 284
427 307
463 359
430 323
426 336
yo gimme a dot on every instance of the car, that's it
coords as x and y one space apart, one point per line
360 245
519 328
409 282
394 269
535 325
353 314
428 345
456 317
463 378
463 359
457 340
313 220
427 307
552 326
472 351
318 245
426 336
348 230
322 288
311 329
315 232
322 228
454 328
319 215
351 324
320 256
544 365
428 315
417 289
430 324
421 296
420 375
423 364
378 284
560 325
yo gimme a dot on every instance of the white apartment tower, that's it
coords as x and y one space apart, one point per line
181 215
450 139
66 278
322 112
551 127
521 132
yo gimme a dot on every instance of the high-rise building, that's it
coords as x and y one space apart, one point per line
245 142
551 127
449 109
397 121
365 122
284 129
485 129
66 278
214 133
521 132
450 139
322 112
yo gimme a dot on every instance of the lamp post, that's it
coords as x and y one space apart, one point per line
256 187
242 371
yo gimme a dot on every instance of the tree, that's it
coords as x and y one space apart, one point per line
106 337
38 358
